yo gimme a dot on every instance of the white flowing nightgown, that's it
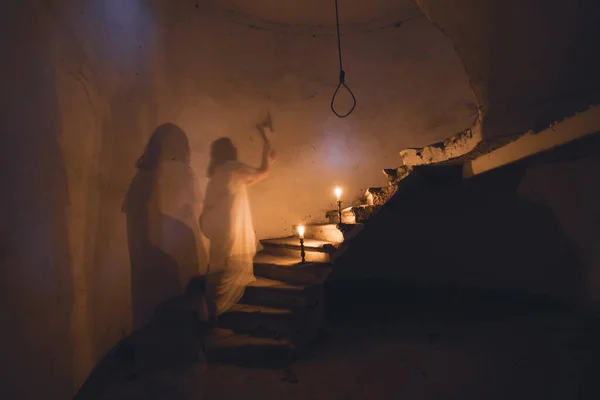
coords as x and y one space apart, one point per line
227 222
177 231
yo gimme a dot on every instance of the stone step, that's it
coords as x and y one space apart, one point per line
331 232
268 292
290 270
315 250
348 217
244 318
352 215
300 326
408 179
250 351
378 196
395 175
327 232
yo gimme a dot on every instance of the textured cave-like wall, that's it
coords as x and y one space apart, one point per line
530 62
85 85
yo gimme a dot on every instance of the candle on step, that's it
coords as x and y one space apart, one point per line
338 194
301 236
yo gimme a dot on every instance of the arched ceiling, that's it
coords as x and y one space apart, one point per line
530 62
322 12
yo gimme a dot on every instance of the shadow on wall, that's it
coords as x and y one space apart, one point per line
475 234
165 246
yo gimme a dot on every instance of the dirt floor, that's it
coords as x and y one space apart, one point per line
419 351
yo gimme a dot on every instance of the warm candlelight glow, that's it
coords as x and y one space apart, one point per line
301 231
338 193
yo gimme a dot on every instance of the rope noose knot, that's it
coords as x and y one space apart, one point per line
342 83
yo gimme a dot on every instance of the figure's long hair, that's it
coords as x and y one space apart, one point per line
167 143
221 151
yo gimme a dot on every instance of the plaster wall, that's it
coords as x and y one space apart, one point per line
86 84
530 62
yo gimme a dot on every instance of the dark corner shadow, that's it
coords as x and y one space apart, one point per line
446 249
164 247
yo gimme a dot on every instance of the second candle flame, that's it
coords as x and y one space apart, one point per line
338 193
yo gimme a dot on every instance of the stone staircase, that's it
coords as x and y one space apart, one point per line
402 181
283 311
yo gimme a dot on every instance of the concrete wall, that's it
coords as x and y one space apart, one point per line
530 62
87 84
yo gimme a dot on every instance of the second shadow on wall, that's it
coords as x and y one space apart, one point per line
165 246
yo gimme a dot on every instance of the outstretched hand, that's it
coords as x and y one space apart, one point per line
268 149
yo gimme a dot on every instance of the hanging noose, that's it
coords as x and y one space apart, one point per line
342 73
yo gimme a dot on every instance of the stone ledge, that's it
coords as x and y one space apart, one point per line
378 196
395 175
352 215
452 148
469 144
572 128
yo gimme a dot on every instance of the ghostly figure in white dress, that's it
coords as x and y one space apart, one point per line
166 248
226 221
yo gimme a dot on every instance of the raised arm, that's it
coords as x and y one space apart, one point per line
268 155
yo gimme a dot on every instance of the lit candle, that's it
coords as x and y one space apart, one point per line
301 232
338 193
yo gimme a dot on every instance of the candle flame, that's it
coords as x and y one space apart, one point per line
301 231
338 193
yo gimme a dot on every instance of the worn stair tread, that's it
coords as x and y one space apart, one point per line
265 283
243 340
322 231
255 309
315 224
293 242
277 293
260 321
352 215
347 210
265 258
395 175
290 269
330 231
351 230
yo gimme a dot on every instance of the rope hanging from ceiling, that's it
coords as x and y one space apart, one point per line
342 73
